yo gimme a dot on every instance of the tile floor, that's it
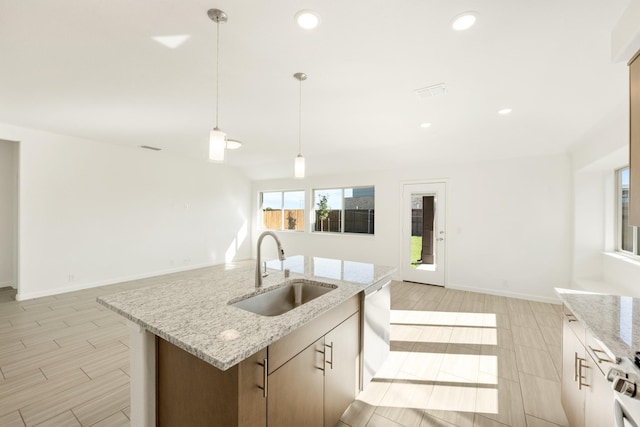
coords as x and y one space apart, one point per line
465 359
458 359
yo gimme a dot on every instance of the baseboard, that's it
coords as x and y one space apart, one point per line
22 296
501 293
7 284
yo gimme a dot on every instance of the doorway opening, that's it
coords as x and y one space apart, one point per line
9 173
423 248
422 223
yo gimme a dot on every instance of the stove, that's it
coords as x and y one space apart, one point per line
626 381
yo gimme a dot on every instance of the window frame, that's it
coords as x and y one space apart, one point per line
635 250
312 225
282 209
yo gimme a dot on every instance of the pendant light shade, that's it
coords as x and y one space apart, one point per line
218 139
298 165
217 144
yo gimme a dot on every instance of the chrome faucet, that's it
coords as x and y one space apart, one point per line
280 255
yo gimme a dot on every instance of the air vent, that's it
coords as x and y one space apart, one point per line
148 147
431 91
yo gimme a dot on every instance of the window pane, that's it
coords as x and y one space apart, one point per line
272 210
626 238
359 210
294 210
328 210
272 201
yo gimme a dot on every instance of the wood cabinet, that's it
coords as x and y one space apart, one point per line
587 397
634 140
598 404
573 395
295 395
341 380
308 378
191 392
315 387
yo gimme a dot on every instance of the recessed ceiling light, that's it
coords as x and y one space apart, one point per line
425 125
171 42
505 111
464 21
307 19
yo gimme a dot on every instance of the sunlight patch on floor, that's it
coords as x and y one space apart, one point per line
436 363
442 318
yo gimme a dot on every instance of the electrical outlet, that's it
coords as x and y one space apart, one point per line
72 277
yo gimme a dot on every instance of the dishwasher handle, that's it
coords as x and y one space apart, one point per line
373 289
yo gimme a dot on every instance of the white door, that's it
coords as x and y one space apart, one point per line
424 237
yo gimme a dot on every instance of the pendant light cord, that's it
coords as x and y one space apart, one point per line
300 121
217 68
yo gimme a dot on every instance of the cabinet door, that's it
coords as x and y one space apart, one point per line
295 390
572 396
598 407
252 403
342 355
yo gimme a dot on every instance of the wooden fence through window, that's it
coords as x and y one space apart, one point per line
293 219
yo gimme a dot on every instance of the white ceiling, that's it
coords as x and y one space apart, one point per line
90 68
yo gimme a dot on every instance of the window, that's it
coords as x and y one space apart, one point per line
627 234
282 210
344 210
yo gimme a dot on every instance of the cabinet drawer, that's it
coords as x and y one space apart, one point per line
290 345
574 324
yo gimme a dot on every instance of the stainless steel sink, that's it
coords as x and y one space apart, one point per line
283 298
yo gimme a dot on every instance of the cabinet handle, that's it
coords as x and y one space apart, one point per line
594 353
575 366
570 317
265 378
331 347
324 359
580 376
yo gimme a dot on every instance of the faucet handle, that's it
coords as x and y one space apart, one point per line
265 272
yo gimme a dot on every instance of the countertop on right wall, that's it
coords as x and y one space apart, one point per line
613 319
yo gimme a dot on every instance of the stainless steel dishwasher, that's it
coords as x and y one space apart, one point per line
376 318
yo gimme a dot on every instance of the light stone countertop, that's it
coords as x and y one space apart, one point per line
613 320
191 310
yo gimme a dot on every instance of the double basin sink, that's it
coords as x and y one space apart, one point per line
283 298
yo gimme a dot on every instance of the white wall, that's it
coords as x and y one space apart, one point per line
8 210
596 266
94 213
508 223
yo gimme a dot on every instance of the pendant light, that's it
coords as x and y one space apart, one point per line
218 139
298 166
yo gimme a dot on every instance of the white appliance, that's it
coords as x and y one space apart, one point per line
625 384
376 324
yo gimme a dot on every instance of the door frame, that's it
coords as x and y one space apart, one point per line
447 186
16 151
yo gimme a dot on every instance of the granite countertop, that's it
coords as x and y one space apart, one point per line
192 312
613 320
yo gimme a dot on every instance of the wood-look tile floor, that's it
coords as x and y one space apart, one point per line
458 359
465 359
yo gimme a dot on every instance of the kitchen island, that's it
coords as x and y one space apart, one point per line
192 322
